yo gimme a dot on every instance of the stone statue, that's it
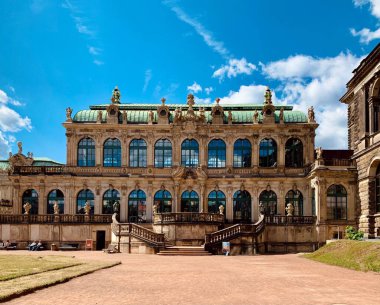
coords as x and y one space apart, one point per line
289 209
154 209
229 117
116 207
282 114
27 207
163 100
69 111
10 154
178 172
319 152
176 115
124 116
19 144
268 96
87 208
221 209
150 117
99 118
56 208
310 114
115 99
256 117
202 115
200 172
190 100
261 208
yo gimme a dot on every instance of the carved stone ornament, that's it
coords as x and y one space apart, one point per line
99 117
256 117
69 111
229 117
113 113
201 174
268 109
178 172
125 117
217 113
20 159
311 115
281 116
190 117
115 98
163 113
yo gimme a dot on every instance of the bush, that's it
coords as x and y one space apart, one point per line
353 234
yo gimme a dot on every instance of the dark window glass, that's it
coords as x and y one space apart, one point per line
313 207
55 196
163 153
189 202
268 153
216 199
30 196
111 202
296 199
137 206
268 202
217 153
293 153
336 202
378 189
242 207
137 153
190 153
112 153
242 153
86 152
83 197
163 201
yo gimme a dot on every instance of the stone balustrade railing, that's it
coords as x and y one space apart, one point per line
188 217
53 218
290 220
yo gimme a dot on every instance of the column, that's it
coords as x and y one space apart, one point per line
176 197
124 206
176 147
229 205
98 202
98 154
150 152
255 151
202 201
124 150
149 203
229 153
281 152
203 151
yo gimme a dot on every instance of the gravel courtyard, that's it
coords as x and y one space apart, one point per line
153 279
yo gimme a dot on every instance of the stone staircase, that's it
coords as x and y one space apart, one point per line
184 251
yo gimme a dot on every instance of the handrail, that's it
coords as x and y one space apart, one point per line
289 220
54 218
188 217
235 231
139 232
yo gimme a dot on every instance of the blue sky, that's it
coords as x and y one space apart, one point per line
55 54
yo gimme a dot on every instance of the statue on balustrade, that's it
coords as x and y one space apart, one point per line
87 208
221 209
289 209
56 208
27 207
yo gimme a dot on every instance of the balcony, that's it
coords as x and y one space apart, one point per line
55 219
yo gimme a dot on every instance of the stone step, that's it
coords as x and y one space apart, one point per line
185 251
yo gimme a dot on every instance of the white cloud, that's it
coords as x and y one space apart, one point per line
202 101
208 90
233 68
208 37
98 62
195 88
366 35
93 50
308 81
252 94
148 77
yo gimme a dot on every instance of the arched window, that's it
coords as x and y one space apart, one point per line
293 153
111 202
189 202
216 199
137 153
163 201
336 202
378 189
268 202
83 197
137 206
55 196
296 199
112 153
86 152
30 196
217 153
163 153
242 207
268 153
242 153
190 153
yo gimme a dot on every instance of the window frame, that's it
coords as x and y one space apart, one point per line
265 148
112 150
240 153
190 152
138 154
86 153
166 149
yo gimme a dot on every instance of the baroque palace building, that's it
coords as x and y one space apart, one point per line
200 174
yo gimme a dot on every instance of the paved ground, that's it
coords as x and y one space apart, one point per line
153 279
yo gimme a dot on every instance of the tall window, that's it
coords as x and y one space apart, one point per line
30 196
137 153
313 204
336 202
268 202
378 189
242 207
296 199
268 153
111 202
163 201
189 202
242 153
137 206
83 197
163 153
112 153
216 199
86 152
55 196
293 153
217 153
190 153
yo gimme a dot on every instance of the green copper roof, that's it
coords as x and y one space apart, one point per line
37 161
138 113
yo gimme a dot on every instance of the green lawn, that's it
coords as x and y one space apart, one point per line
357 255
20 274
